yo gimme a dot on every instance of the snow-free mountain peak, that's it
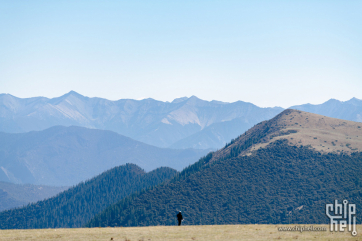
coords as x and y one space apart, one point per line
298 128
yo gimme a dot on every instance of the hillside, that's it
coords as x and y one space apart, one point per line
276 183
17 195
75 206
324 134
150 121
65 156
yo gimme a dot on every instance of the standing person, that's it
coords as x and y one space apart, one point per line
179 218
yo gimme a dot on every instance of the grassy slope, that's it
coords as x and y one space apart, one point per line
183 233
300 128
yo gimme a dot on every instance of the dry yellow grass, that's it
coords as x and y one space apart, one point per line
323 133
183 233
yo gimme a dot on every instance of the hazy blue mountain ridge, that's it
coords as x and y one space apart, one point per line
217 134
346 110
153 122
64 156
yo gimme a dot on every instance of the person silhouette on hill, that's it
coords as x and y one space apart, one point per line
179 218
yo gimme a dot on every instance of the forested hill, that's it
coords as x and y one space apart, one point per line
77 205
276 184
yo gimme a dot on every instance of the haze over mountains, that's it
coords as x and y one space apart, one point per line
183 123
65 156
153 122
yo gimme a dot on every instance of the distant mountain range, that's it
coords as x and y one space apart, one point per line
65 156
157 123
345 110
182 123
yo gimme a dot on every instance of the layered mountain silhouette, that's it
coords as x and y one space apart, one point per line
157 123
276 172
65 156
75 206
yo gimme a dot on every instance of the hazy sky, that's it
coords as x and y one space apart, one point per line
270 53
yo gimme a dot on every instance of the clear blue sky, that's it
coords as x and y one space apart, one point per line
270 53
